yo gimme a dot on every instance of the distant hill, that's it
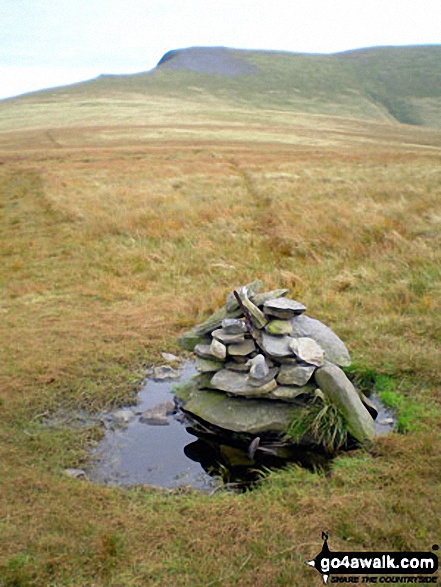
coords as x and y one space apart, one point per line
387 84
401 83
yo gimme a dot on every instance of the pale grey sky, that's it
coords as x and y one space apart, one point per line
45 43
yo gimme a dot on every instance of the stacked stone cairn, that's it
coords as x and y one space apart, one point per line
261 359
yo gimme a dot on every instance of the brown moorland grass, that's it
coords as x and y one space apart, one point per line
109 252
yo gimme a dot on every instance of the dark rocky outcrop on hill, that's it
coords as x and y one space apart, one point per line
209 60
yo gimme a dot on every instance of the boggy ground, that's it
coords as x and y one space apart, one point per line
108 253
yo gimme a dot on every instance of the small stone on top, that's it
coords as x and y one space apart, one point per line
283 308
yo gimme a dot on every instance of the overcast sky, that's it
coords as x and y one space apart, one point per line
45 43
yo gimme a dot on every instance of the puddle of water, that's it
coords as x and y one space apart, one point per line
133 452
185 452
386 419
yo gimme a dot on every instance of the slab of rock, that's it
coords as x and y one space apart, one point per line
218 349
234 326
276 346
307 350
238 383
260 298
124 415
242 349
204 351
290 393
226 338
251 416
283 308
279 327
235 366
337 387
208 365
335 349
157 414
164 372
257 316
170 358
295 374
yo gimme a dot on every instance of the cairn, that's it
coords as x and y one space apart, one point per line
264 350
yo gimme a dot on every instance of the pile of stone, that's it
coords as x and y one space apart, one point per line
260 359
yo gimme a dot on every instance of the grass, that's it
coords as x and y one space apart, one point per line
323 423
110 249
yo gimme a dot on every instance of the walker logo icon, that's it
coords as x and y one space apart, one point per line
375 563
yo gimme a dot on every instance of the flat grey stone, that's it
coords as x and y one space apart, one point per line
340 391
208 365
283 308
75 473
169 357
242 349
251 416
164 372
276 346
234 326
235 366
124 415
204 351
238 383
295 374
226 338
157 414
218 349
260 298
279 327
306 349
386 421
290 393
335 349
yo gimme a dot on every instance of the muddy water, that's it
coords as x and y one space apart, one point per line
172 455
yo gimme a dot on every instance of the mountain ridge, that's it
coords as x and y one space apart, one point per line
387 84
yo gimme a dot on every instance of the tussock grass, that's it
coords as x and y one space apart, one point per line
108 253
323 423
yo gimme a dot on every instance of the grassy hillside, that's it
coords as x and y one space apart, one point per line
126 216
228 87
